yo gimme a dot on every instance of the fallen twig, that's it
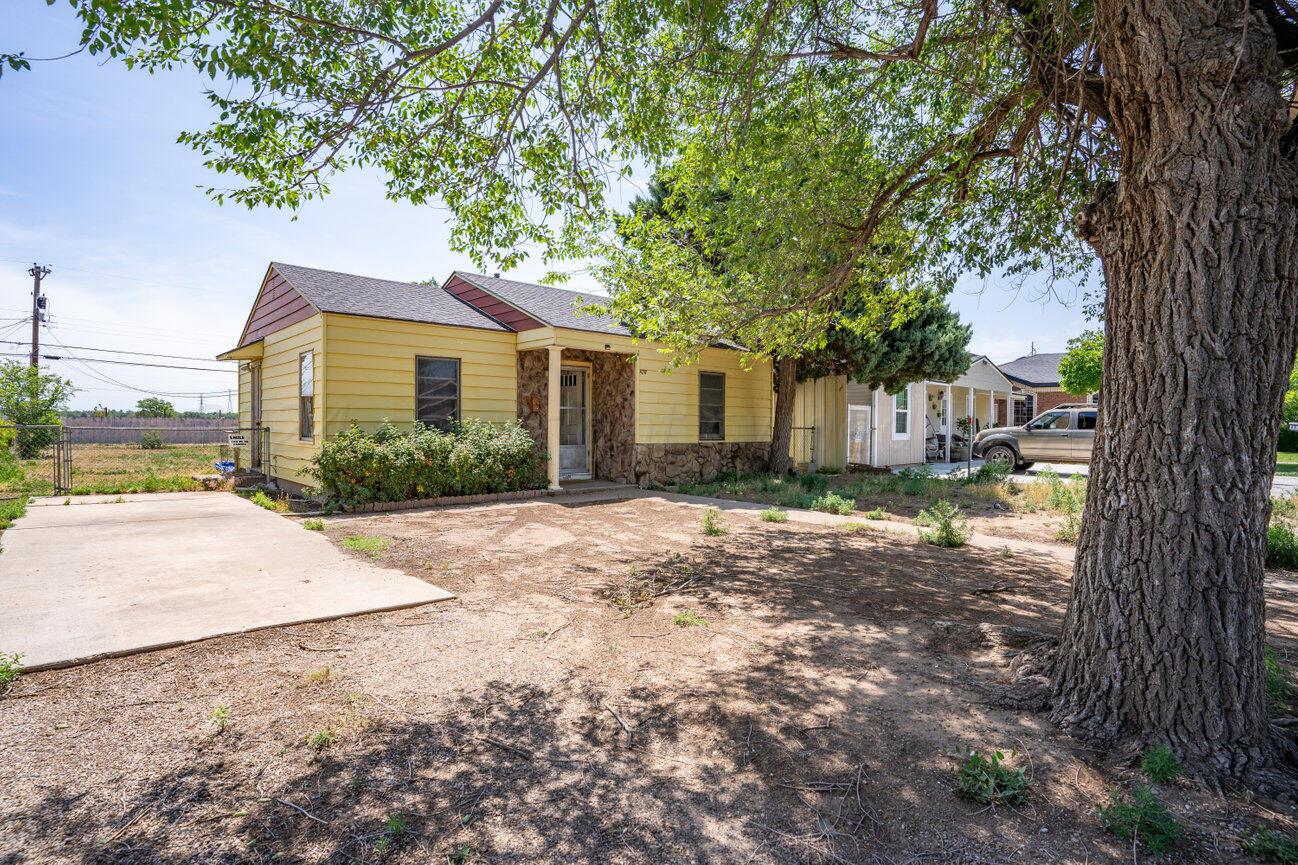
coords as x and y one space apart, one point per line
302 811
624 724
992 590
304 647
505 746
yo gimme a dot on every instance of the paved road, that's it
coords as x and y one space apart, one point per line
97 578
1280 485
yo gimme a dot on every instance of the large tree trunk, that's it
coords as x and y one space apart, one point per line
778 461
1163 640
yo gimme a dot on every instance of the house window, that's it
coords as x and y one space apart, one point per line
437 391
901 414
1025 409
712 406
306 396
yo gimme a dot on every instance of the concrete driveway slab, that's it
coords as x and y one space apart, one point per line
114 575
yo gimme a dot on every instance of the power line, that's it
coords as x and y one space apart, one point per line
120 362
106 379
124 351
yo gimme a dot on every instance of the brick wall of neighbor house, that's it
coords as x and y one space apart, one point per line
1048 399
688 462
612 407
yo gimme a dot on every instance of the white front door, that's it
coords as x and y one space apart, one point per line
858 435
574 422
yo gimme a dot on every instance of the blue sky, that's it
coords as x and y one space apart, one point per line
93 183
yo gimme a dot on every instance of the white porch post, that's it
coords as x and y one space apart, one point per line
969 413
950 424
552 415
992 419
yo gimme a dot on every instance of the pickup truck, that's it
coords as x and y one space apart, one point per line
1064 434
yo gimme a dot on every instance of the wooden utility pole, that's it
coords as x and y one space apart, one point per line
38 272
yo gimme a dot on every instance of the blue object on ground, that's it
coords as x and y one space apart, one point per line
224 466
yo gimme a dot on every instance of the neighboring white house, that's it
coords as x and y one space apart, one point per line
838 422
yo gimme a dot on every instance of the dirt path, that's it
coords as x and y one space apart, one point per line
555 712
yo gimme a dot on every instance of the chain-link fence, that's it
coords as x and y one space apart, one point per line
119 458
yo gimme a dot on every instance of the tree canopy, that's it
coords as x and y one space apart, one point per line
1082 363
152 406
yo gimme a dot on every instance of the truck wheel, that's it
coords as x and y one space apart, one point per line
1002 455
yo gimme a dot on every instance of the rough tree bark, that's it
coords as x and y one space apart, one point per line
1163 640
778 461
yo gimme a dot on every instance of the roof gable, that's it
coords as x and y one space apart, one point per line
543 304
349 294
1034 370
277 306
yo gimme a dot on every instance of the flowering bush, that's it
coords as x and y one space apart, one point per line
391 465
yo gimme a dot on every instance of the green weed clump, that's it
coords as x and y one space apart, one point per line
322 740
375 545
949 526
833 503
1273 846
876 514
261 500
988 781
711 522
1281 546
774 515
1141 818
150 441
689 619
1159 764
10 667
1069 530
315 524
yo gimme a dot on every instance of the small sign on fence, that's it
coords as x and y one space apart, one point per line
237 439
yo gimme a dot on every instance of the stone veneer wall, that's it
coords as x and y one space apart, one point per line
612 407
697 462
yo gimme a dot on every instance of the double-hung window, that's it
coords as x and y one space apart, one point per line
306 396
712 407
437 391
901 413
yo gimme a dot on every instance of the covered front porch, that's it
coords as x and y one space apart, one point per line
579 406
955 411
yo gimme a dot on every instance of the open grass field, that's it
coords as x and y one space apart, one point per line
121 469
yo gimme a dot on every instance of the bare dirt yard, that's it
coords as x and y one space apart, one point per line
610 686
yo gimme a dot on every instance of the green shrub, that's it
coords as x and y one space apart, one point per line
949 526
390 465
1281 546
315 524
1141 818
774 515
1279 682
813 483
1285 506
1070 529
833 503
876 514
1159 764
711 522
990 781
988 473
10 667
1288 441
150 441
1273 846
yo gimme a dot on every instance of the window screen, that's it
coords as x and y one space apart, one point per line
437 391
306 395
712 406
